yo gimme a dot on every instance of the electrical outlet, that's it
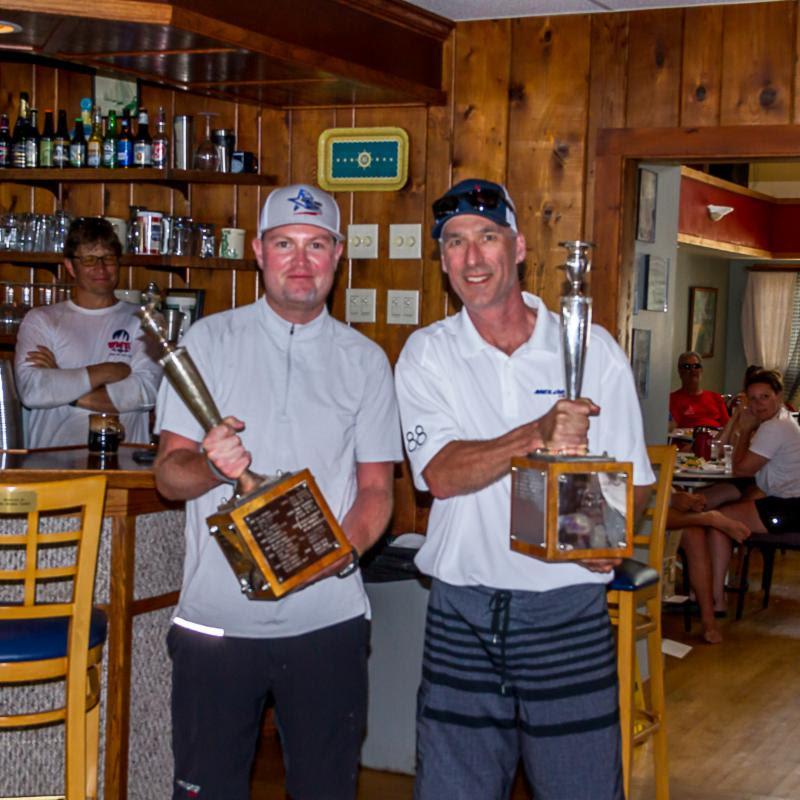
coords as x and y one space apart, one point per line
402 307
362 241
405 241
360 305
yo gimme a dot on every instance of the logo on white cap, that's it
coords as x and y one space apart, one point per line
305 204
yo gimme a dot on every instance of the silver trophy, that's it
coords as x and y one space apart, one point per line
572 507
278 534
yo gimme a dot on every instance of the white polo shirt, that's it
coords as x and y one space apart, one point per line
453 385
319 396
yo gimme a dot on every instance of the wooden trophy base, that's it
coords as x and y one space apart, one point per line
570 508
280 537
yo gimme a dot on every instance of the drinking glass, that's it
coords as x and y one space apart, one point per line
206 157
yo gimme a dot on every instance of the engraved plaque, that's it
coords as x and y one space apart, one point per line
17 501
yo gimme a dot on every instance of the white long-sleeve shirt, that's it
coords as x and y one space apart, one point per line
79 337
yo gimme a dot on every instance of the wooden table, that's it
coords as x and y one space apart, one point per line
131 492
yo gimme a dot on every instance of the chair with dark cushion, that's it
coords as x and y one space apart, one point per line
767 544
49 630
634 604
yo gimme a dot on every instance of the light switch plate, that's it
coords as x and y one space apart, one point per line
360 305
362 241
405 241
402 307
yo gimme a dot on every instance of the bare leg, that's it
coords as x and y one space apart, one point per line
721 547
720 493
695 542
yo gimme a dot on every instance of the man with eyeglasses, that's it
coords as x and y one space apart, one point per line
690 405
86 354
519 656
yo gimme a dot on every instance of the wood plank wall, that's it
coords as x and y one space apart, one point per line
526 99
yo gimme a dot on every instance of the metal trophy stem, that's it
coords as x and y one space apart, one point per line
576 316
183 375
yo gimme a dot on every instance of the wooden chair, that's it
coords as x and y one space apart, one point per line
634 601
60 638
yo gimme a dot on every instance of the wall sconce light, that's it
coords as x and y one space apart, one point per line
718 212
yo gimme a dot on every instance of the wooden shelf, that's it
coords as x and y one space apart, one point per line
179 179
131 260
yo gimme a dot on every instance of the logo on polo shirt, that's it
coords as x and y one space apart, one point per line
120 343
559 392
415 438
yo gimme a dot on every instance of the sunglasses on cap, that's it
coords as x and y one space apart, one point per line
690 366
478 199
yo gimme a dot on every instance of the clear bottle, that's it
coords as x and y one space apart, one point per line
20 132
77 145
5 143
161 142
94 146
110 141
142 144
32 141
61 141
125 142
46 140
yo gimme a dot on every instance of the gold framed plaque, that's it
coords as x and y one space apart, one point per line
280 536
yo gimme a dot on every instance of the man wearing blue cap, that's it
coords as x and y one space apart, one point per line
519 657
302 390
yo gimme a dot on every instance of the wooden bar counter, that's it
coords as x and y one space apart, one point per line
139 572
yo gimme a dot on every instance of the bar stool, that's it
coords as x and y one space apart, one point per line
51 631
634 604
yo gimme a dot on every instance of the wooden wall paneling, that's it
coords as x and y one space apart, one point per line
547 128
434 303
45 81
702 66
796 76
654 68
480 124
759 63
15 77
607 93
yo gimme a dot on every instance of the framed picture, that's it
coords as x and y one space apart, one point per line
702 320
640 282
646 215
657 283
114 94
640 361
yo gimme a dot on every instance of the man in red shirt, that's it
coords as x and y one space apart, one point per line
690 405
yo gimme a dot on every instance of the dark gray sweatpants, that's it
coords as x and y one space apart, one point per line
510 675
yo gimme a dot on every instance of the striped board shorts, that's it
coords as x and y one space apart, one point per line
509 675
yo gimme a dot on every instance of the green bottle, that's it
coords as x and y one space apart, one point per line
110 141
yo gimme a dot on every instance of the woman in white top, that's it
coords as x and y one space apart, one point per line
766 448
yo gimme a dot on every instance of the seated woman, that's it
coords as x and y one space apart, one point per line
766 444
706 537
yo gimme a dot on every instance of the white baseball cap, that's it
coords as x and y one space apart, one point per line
300 204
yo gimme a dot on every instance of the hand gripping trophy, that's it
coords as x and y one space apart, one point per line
278 534
572 507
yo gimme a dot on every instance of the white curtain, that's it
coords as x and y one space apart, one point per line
767 318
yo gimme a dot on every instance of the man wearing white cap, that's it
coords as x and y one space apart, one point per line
519 657
302 390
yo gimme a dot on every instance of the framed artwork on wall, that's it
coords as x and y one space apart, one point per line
640 361
657 283
116 94
646 214
702 320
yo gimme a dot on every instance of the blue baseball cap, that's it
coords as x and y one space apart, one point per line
474 196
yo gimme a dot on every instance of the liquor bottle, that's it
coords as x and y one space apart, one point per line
94 146
77 145
46 140
143 145
110 141
61 141
20 131
32 141
5 143
161 142
125 142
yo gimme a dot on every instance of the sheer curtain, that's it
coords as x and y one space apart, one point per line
767 318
